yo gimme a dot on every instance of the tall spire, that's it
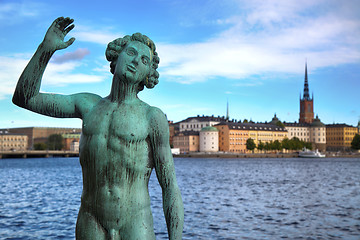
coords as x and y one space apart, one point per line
306 85
227 110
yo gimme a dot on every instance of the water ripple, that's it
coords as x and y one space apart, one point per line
223 198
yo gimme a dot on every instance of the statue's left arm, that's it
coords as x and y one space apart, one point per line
165 172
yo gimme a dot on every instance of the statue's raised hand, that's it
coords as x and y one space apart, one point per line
54 38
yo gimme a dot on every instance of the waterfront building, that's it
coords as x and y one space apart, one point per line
233 135
199 122
340 136
173 130
75 146
187 141
306 103
209 139
13 142
71 141
39 134
314 132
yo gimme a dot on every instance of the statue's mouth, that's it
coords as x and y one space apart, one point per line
131 68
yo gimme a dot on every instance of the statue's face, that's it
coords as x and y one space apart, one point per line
133 63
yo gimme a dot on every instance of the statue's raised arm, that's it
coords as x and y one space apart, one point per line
27 94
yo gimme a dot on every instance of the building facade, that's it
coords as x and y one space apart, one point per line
40 134
340 136
233 136
197 123
209 139
13 142
71 141
187 141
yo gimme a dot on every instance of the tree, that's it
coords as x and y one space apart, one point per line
55 142
286 143
245 121
276 145
250 144
40 146
355 143
260 146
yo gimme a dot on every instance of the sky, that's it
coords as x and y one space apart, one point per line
249 54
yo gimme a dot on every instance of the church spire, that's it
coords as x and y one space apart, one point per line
306 85
227 110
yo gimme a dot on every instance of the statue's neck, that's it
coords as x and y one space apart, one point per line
122 91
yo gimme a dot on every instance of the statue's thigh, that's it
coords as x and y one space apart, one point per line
141 228
87 228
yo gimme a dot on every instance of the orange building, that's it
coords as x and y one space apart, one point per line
339 136
187 141
232 137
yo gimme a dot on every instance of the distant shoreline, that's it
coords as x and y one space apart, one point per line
49 154
257 155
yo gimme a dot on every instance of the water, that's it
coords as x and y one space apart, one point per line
223 198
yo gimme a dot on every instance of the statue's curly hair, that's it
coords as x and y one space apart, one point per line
115 47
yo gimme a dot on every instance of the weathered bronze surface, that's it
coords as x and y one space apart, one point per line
123 139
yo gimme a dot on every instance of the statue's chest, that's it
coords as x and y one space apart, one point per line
112 122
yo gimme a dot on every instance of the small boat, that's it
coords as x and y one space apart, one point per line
306 153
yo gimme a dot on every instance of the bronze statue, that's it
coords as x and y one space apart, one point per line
123 139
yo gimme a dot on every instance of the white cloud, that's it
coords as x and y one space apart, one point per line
11 68
271 37
86 34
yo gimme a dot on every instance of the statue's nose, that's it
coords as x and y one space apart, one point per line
136 60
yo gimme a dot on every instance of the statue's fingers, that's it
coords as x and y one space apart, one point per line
64 22
68 29
56 21
70 41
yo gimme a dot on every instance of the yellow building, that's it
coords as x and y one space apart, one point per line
187 141
13 142
233 136
339 136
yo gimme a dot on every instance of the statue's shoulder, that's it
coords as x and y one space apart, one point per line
86 101
157 118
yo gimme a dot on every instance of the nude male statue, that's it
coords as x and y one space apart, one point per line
123 139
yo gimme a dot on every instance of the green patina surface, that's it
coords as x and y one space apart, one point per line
123 139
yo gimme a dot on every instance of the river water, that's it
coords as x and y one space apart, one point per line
223 198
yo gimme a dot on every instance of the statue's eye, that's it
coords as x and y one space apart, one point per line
145 60
130 52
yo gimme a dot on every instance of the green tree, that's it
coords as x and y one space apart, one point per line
40 146
250 144
261 146
355 143
307 145
245 121
286 143
277 145
55 142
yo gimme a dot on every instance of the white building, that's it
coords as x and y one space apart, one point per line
198 123
314 132
209 139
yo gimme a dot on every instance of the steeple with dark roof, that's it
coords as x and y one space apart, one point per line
227 110
306 103
306 85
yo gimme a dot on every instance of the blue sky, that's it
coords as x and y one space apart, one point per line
250 53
